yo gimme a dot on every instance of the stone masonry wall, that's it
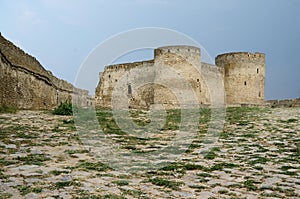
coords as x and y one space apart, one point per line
25 84
178 70
284 103
244 77
126 84
236 79
172 79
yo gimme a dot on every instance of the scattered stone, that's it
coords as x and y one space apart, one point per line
255 159
10 146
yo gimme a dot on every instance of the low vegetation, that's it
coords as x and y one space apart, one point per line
65 108
8 109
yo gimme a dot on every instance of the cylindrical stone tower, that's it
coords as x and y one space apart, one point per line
244 77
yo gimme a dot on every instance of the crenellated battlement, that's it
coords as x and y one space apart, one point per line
128 66
180 50
239 57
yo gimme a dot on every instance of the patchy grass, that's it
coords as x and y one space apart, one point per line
121 182
222 165
166 183
250 185
212 153
258 160
34 159
8 109
28 189
71 152
62 184
291 120
255 145
58 172
4 162
96 166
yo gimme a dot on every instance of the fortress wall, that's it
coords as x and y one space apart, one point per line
179 78
284 103
25 84
244 76
178 69
126 82
214 80
19 58
21 89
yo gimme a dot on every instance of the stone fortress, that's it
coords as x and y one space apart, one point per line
174 71
25 84
175 77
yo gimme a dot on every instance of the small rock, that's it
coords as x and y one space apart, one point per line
31 196
66 178
10 146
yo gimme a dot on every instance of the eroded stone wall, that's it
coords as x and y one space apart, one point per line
284 103
25 84
126 84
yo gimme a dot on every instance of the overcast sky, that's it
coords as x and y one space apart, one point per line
61 33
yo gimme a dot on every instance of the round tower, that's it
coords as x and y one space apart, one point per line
244 77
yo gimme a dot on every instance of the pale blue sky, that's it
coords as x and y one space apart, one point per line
61 33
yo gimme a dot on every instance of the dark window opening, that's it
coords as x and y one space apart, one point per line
116 80
168 50
108 76
259 94
178 49
245 83
257 70
129 89
198 80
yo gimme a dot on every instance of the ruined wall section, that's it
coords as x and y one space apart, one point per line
130 83
244 77
283 103
25 84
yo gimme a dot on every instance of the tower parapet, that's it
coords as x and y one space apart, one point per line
189 53
240 57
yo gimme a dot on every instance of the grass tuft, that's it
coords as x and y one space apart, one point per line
64 108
